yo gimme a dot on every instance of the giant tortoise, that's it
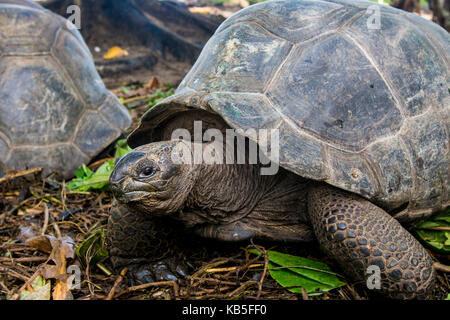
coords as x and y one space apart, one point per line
362 115
55 111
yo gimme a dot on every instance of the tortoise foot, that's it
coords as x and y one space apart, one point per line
169 269
152 249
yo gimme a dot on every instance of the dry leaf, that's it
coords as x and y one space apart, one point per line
60 250
32 211
114 53
202 10
153 84
62 291
41 243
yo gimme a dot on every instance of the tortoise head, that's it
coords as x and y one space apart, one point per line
147 179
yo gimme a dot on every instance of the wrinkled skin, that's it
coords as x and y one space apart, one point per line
233 202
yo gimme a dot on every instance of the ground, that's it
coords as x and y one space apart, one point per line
32 206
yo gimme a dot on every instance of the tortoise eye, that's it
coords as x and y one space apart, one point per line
147 172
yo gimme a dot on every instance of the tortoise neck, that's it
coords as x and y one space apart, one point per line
224 193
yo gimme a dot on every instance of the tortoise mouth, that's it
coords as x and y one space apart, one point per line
133 196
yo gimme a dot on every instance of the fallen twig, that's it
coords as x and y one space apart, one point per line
13 273
14 175
245 285
116 283
441 267
304 294
46 216
5 287
441 228
96 164
57 231
28 282
24 259
148 285
217 281
266 263
214 270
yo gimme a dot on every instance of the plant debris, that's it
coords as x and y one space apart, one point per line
115 53
297 273
435 233
85 179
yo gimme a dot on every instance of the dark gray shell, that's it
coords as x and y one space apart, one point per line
55 111
366 110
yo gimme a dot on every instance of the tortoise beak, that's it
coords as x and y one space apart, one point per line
127 189
120 180
123 183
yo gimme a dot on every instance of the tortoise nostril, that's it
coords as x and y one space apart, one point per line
116 178
123 165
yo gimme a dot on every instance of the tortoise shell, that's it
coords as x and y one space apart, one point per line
364 109
55 111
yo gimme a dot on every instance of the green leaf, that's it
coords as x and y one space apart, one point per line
435 232
83 171
124 90
444 217
121 148
41 290
447 242
92 249
290 271
159 96
431 224
448 297
86 180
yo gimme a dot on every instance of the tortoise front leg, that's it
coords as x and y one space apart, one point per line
358 234
150 247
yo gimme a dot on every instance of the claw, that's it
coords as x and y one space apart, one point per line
162 272
181 271
178 267
144 276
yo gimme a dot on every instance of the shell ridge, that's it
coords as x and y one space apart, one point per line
399 105
434 43
277 71
67 74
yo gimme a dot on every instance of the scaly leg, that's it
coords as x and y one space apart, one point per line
149 246
358 234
